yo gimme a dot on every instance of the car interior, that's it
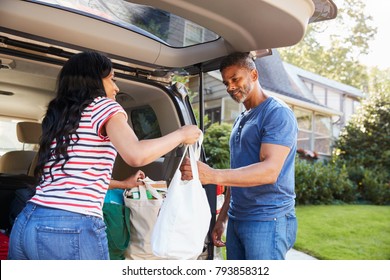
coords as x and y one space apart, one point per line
20 161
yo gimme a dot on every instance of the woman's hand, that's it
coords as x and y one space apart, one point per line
190 134
128 183
134 180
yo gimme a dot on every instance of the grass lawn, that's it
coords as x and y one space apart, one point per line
344 232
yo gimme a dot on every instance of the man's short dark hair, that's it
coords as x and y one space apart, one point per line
241 59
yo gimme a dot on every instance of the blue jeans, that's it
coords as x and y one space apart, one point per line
261 240
42 233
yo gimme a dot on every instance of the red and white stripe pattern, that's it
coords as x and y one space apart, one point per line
81 186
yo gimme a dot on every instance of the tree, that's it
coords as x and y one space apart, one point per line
364 147
379 80
365 139
337 57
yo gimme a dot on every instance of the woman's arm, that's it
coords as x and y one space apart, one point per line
139 153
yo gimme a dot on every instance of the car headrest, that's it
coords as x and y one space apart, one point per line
29 132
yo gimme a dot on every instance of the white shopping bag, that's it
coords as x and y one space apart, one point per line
184 218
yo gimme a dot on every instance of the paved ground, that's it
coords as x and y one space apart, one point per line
291 255
297 255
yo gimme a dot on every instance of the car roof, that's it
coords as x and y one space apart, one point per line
244 25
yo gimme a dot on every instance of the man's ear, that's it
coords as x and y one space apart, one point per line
254 75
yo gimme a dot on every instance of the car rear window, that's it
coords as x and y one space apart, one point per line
148 21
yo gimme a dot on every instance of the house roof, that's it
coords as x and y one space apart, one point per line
297 73
274 77
277 81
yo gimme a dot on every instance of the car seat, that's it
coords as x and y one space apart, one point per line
18 162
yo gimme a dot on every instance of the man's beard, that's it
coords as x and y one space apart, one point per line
244 92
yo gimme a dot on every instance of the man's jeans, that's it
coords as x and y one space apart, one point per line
43 233
261 240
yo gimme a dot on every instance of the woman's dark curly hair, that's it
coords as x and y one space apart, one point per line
78 84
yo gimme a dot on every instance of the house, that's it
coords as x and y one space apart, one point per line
322 106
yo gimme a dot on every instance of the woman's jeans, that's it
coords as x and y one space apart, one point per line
261 240
42 233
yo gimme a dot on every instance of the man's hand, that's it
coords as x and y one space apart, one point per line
216 235
185 168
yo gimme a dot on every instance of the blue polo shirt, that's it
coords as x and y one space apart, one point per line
270 122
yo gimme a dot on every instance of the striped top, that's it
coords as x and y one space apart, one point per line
82 185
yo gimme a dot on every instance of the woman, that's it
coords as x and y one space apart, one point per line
83 130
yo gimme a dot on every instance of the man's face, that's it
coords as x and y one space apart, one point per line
238 82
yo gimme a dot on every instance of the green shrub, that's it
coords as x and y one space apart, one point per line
376 187
304 180
356 174
364 147
343 188
373 183
216 145
322 182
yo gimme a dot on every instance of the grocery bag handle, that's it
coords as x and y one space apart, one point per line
194 155
196 146
142 190
147 186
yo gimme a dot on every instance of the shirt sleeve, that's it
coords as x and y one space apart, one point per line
280 128
103 110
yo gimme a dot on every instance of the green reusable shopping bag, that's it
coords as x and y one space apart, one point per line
117 219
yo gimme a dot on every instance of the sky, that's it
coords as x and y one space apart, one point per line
379 54
379 47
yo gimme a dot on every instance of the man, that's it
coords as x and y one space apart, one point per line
259 208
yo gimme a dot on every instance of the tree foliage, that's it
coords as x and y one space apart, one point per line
216 145
379 81
365 140
364 147
337 56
